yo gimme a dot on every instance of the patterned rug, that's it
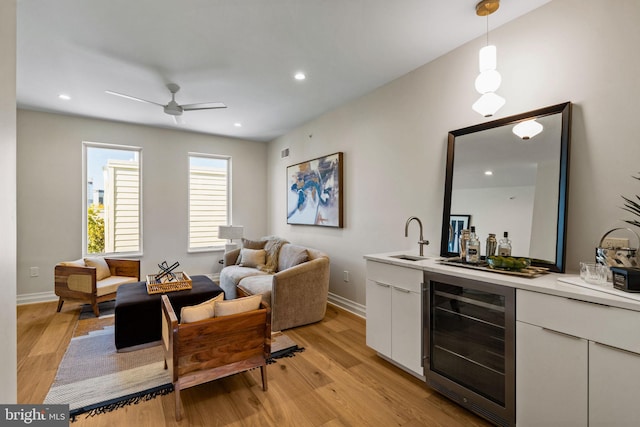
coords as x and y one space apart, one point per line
93 378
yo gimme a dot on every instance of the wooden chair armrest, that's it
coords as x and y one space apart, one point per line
169 333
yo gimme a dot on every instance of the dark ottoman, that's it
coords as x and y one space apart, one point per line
138 315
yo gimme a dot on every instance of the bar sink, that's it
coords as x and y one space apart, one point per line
408 257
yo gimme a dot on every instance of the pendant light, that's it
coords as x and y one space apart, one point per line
489 79
527 129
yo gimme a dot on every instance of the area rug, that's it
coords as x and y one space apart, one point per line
106 308
93 378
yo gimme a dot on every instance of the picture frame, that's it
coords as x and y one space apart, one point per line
315 192
457 223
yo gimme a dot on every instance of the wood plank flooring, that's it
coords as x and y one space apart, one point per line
336 381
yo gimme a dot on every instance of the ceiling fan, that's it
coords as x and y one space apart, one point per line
172 107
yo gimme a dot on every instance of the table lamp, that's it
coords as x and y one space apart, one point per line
230 232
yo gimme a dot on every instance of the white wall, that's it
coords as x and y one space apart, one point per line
50 191
8 359
394 139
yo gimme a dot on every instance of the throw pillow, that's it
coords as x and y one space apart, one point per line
76 263
238 305
250 244
252 257
102 268
273 249
204 310
292 255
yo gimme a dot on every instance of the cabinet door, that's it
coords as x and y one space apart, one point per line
379 317
551 378
406 329
614 386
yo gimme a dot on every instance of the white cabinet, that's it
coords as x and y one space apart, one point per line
394 313
551 378
614 386
577 363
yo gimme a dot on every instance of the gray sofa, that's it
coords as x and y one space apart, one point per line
294 280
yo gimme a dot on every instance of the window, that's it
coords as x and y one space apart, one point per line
209 200
112 196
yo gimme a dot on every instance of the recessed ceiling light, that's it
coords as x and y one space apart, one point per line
238 124
488 173
299 76
64 96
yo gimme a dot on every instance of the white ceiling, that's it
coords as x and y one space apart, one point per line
240 52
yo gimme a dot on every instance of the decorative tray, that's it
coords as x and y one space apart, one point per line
529 271
173 282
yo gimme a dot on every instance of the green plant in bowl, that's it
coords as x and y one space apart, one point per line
508 263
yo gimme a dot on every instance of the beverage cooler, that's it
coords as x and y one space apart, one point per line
469 344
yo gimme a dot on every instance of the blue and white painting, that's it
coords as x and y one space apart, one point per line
314 195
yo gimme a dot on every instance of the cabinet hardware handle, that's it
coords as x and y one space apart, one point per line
384 285
406 291
617 348
589 302
561 333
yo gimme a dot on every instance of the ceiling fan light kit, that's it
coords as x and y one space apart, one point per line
172 108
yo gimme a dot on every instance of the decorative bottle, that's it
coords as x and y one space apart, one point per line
473 247
492 244
504 246
464 240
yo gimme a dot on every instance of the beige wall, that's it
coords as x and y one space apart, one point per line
394 138
8 372
50 192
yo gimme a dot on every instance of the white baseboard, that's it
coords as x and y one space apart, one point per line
36 297
347 304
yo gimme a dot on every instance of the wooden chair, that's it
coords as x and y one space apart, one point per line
199 352
77 282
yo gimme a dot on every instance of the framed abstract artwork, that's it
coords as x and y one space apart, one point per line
457 223
314 192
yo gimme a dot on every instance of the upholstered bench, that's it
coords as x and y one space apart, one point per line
138 315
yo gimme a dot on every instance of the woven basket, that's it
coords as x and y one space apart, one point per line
167 283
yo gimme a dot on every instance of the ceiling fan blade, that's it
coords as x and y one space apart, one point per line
133 98
203 106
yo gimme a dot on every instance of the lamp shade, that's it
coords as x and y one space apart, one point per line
488 81
488 58
528 129
230 231
488 104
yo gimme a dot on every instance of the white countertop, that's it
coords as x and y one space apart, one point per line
565 285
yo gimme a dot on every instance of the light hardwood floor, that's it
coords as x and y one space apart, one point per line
336 381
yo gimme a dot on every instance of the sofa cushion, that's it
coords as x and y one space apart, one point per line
258 285
111 283
250 244
253 257
102 268
273 246
292 255
231 275
202 311
239 305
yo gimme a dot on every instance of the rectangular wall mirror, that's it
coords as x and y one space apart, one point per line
498 181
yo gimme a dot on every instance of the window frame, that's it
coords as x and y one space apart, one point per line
228 159
85 198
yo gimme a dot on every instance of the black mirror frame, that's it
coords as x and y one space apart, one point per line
557 265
